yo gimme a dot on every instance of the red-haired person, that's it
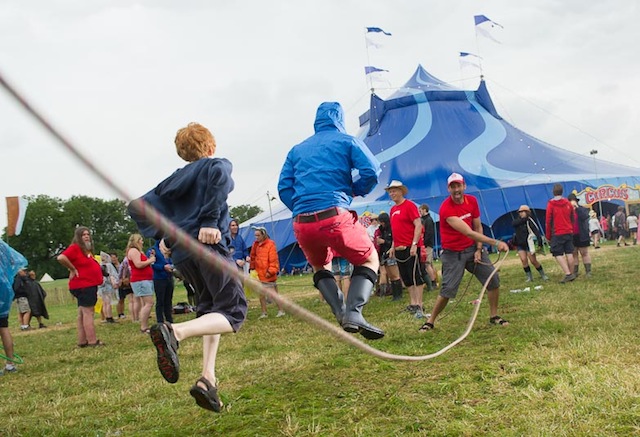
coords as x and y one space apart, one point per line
85 275
195 199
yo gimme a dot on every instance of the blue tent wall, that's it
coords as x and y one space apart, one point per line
429 129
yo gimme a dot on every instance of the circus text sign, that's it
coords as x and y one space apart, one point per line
623 193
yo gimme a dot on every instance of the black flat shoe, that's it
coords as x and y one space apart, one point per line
207 399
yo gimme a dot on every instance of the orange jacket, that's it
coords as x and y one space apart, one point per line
264 260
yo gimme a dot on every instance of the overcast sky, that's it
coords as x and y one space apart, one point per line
120 77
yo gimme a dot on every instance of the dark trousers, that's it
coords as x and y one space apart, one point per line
164 298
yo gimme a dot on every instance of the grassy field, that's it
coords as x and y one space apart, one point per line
567 365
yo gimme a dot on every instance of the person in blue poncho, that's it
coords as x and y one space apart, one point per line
10 263
318 181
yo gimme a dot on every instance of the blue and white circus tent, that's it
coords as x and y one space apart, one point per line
428 129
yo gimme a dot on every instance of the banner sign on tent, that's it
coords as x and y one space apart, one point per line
607 193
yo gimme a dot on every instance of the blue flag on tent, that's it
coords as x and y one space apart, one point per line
369 69
487 27
377 30
467 58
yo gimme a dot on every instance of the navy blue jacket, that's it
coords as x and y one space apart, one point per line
159 271
193 197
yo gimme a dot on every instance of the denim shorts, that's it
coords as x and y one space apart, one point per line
142 288
341 267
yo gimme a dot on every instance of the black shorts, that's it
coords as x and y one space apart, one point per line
4 322
217 290
580 243
87 297
412 271
122 292
561 244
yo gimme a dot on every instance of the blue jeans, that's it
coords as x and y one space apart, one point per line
164 299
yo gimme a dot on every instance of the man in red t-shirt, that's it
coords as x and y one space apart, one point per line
461 236
406 228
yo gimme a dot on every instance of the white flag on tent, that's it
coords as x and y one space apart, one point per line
469 60
487 28
376 75
375 37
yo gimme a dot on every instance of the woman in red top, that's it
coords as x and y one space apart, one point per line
264 260
141 278
84 277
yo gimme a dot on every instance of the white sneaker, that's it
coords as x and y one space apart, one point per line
10 368
281 313
263 316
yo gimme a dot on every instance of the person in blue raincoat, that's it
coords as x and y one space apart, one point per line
318 181
10 262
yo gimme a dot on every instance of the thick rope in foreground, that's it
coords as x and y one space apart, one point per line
198 250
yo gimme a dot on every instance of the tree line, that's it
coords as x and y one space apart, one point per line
50 222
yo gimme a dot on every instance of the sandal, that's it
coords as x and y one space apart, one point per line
83 345
145 331
207 399
97 343
426 327
167 349
497 320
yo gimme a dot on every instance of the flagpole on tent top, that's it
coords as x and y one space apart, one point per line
367 77
479 55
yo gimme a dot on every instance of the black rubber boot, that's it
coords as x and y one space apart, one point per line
396 287
362 282
324 281
427 280
528 274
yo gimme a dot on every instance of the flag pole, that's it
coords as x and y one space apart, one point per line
479 54
368 79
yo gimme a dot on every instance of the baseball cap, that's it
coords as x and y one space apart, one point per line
455 177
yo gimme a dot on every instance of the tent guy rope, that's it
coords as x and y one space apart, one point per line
215 260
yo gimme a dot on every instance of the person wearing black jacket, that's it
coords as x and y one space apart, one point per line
21 295
525 229
581 236
383 239
429 239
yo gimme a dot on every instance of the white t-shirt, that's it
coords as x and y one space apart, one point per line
632 221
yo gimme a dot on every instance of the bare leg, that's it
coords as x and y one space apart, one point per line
441 303
534 260
493 296
145 311
7 343
564 263
120 306
345 282
82 336
416 294
137 306
87 324
209 352
263 304
106 306
206 325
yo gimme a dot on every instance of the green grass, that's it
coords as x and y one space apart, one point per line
567 365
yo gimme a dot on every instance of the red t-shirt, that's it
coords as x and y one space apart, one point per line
89 271
143 274
402 226
467 211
